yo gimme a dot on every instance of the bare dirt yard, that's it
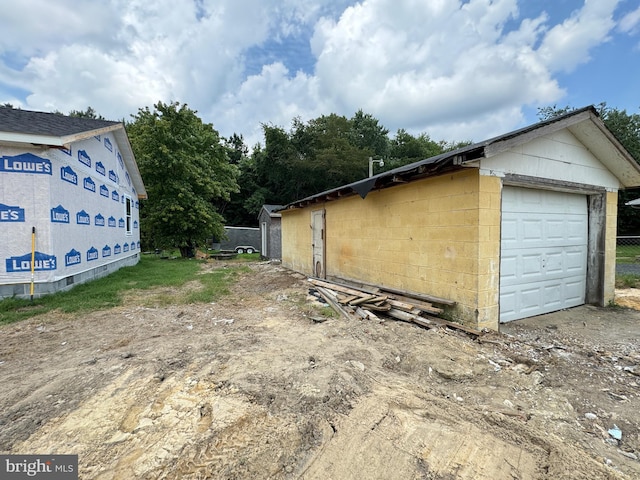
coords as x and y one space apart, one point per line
251 387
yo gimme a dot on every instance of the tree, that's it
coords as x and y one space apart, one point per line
88 113
186 170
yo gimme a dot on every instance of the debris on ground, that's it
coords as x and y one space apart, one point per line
263 384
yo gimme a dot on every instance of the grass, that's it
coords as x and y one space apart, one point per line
627 253
627 280
151 272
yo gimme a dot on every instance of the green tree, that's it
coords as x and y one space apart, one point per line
367 134
88 113
186 171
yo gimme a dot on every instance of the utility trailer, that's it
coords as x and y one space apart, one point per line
238 240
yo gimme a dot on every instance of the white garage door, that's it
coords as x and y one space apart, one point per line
543 262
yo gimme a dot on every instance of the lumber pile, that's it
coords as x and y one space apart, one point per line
376 303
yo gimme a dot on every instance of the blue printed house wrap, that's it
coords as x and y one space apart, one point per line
70 178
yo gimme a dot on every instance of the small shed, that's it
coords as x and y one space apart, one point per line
69 193
511 227
269 220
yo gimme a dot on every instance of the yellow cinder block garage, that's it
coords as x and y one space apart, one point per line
512 227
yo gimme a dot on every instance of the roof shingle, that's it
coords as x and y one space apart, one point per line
49 124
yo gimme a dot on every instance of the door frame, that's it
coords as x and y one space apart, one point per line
596 219
318 252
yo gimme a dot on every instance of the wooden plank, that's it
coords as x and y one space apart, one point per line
367 314
337 288
424 306
331 301
417 296
370 289
360 300
376 308
345 300
407 307
401 315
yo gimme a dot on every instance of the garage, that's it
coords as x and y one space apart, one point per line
544 249
512 227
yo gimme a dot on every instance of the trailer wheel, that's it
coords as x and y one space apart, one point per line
240 250
250 250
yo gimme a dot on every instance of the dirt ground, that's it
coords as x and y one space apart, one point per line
251 387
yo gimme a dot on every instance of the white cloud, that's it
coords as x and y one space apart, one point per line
423 67
567 45
454 69
630 23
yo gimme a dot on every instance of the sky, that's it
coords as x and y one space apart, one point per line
453 69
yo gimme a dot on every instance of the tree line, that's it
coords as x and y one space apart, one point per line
198 181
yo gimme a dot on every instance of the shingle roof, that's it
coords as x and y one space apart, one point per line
49 124
54 129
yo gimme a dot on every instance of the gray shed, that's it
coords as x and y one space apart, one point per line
270 232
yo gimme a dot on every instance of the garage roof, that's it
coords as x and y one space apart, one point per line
584 123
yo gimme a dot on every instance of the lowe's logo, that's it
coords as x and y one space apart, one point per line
113 177
83 157
107 144
135 224
106 251
89 184
138 245
127 177
100 169
83 218
112 222
120 160
23 264
98 221
72 258
59 215
115 196
121 223
104 191
125 247
133 245
92 254
10 213
26 163
68 175
117 249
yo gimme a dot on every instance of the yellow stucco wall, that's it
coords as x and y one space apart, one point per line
439 236
610 247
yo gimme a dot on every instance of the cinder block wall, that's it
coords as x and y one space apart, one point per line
610 247
439 236
296 240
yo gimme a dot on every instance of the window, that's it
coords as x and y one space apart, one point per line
127 213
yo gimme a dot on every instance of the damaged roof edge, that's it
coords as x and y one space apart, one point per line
448 161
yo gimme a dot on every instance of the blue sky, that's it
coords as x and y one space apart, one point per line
456 70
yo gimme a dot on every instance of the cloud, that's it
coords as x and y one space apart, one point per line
630 23
453 69
567 45
425 67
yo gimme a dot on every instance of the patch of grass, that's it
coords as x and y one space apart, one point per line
627 253
628 280
151 272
